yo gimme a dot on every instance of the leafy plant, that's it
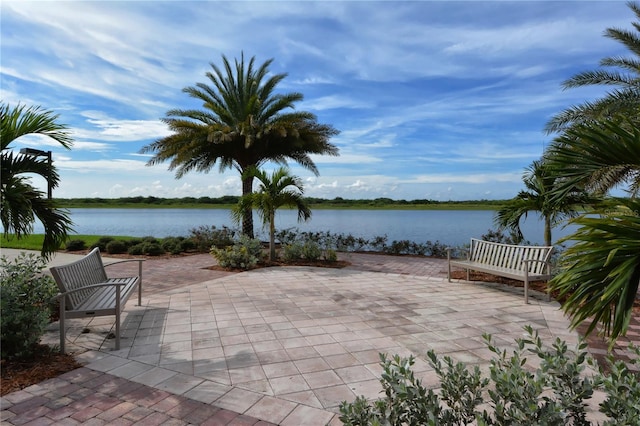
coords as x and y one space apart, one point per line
205 237
293 251
116 247
513 394
311 251
25 299
244 254
102 243
76 245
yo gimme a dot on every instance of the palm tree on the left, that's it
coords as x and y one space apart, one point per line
21 203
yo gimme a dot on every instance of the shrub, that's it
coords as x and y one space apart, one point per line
205 237
513 394
152 249
244 254
292 251
330 255
173 244
76 245
311 251
25 298
116 247
102 243
136 250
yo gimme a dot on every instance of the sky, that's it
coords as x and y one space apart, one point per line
433 100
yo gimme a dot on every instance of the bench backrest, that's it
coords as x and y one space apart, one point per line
510 256
81 273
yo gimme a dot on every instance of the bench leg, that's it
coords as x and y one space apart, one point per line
526 288
118 318
62 324
139 283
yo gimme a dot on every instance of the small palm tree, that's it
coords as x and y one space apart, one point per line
21 202
538 197
243 124
600 272
623 73
275 191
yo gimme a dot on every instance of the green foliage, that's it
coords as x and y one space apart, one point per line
102 243
205 237
330 255
76 245
21 204
177 245
25 298
622 386
600 272
341 242
116 247
513 394
293 251
311 251
243 254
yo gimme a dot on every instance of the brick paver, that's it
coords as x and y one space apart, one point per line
276 345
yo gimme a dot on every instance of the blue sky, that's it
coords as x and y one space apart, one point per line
437 100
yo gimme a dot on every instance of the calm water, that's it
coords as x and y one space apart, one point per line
452 227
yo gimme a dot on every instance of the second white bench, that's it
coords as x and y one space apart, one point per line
523 263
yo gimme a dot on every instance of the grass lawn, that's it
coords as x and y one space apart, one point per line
34 241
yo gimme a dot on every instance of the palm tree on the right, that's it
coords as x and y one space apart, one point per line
277 190
538 197
621 73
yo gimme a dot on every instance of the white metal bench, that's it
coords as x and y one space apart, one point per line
523 263
86 291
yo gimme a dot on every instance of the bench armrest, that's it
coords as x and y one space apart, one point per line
60 295
123 261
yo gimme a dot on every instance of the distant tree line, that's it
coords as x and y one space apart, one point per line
233 200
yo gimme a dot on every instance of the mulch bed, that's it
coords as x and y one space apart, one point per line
44 364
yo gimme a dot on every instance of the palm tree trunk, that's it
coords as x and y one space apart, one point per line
272 236
247 215
547 231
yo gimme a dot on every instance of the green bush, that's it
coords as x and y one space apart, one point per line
136 250
76 245
311 251
292 251
244 254
25 298
102 243
331 255
205 237
173 244
554 394
116 247
152 249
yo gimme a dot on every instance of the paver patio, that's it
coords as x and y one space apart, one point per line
282 345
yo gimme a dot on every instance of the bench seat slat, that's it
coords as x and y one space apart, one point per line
103 301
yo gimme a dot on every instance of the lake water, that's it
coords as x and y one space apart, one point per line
450 227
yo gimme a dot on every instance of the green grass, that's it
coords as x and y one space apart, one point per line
34 241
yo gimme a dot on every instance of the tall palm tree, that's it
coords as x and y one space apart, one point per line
622 73
538 197
278 190
21 202
243 124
